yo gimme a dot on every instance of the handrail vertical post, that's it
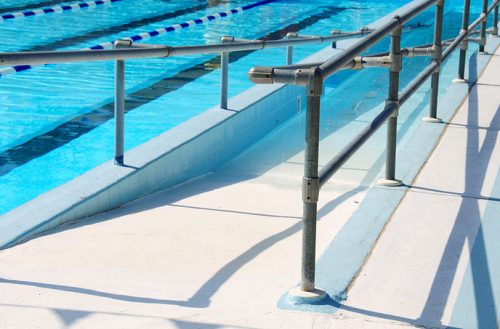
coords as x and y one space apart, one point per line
307 292
289 49
483 27
494 30
437 56
393 96
120 106
310 202
224 78
465 45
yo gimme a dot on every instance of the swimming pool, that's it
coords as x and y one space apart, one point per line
57 119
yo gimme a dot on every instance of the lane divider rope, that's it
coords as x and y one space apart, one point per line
151 34
55 9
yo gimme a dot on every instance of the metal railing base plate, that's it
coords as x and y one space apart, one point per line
458 80
389 182
297 296
432 120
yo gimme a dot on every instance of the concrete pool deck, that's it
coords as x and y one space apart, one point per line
220 251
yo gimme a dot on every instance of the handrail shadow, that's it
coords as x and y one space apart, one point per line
462 231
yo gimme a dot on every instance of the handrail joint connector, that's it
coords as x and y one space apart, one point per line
226 39
357 63
366 29
437 56
315 85
464 45
261 74
122 43
396 57
482 40
397 31
396 61
310 189
397 103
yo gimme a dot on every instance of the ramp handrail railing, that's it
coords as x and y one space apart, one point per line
126 49
312 77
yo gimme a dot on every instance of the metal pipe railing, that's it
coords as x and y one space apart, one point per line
270 75
494 29
332 166
458 41
224 76
84 55
152 51
310 183
312 75
416 83
126 49
436 57
464 46
120 105
392 123
332 65
261 44
483 27
289 49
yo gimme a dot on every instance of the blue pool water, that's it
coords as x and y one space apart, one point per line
56 121
18 3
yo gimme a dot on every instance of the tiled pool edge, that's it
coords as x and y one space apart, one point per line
362 230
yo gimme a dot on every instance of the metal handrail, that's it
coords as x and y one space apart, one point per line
126 49
301 78
312 77
151 51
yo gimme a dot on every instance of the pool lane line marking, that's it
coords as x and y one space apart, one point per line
123 27
55 9
64 133
151 34
34 5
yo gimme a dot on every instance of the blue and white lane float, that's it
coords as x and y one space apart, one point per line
55 9
151 34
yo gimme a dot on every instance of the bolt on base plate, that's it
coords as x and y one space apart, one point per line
389 182
432 120
298 296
